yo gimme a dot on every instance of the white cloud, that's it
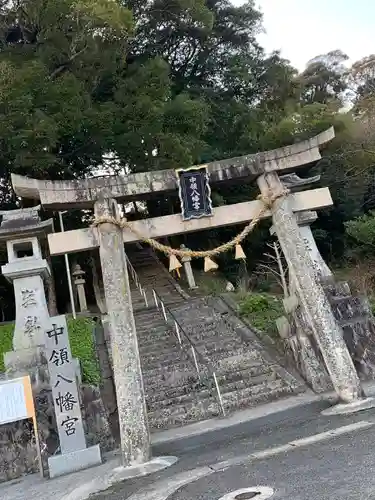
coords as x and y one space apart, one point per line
302 29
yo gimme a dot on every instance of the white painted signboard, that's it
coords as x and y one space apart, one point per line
13 403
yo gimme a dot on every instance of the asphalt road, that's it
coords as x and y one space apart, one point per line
338 468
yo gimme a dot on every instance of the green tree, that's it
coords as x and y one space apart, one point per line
55 57
325 78
362 229
363 81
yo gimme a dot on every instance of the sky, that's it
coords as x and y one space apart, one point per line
303 29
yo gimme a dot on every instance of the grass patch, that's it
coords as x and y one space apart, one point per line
81 343
210 283
261 310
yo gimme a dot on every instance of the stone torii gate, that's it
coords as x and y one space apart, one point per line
103 194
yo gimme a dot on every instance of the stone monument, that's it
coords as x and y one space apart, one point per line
66 400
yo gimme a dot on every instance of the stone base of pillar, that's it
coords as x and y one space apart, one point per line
25 361
347 409
60 465
156 464
32 362
305 352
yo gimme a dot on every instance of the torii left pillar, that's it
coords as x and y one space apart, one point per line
134 432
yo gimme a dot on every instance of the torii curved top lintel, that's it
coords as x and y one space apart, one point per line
83 193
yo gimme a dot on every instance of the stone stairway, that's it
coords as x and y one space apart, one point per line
152 275
247 374
175 394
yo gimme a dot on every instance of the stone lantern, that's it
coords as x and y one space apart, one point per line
79 281
22 230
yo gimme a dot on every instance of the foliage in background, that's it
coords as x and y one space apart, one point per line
362 229
81 342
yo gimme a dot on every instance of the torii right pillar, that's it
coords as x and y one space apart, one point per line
327 332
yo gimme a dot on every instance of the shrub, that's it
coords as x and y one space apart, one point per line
261 310
81 342
6 338
254 303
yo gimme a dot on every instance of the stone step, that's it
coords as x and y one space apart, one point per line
232 356
204 330
155 320
240 388
181 400
155 327
235 404
152 326
155 360
213 346
252 390
246 373
171 297
161 393
336 288
162 347
237 362
156 344
180 415
154 380
149 265
154 334
147 316
180 365
141 259
145 333
166 365
161 283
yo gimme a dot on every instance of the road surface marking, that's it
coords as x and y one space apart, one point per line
263 492
298 443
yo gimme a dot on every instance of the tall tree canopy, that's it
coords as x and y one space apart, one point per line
140 85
